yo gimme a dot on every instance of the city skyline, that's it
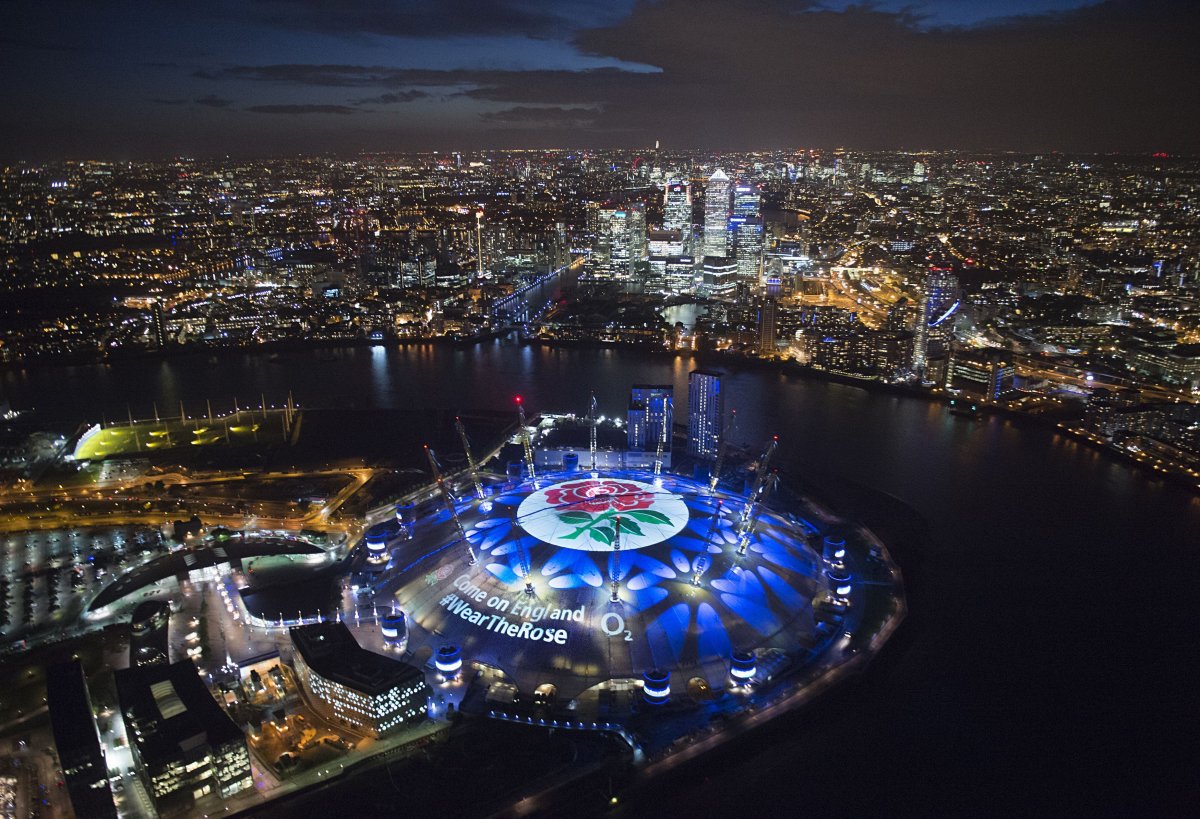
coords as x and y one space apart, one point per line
129 81
591 408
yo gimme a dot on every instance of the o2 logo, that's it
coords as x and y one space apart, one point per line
613 624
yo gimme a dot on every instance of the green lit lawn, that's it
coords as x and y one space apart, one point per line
149 437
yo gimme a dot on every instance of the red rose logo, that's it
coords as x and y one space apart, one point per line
599 496
602 512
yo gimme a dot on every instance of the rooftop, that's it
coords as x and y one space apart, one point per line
171 707
330 650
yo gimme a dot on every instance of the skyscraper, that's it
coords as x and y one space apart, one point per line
766 327
677 207
720 276
716 215
704 413
748 249
619 242
651 412
941 304
747 201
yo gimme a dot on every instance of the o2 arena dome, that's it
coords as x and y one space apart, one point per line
575 579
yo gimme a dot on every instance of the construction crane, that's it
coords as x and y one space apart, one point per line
523 557
761 480
662 442
709 541
525 439
448 499
592 433
721 450
614 561
752 508
474 467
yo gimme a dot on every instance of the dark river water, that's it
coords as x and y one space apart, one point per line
1048 664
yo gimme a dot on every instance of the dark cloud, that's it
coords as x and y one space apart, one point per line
772 73
337 76
1112 75
736 73
546 87
438 18
392 97
302 109
213 101
548 116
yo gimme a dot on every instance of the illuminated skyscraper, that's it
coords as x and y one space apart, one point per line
941 304
704 413
748 249
651 412
938 303
719 276
619 242
677 207
747 201
716 215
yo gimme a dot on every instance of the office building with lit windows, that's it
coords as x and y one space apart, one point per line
716 215
748 249
705 408
677 207
651 412
347 684
942 300
986 374
719 276
185 746
747 201
620 243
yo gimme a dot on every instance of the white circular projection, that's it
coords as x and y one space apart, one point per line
582 514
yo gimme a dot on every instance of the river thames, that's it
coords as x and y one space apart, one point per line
1051 641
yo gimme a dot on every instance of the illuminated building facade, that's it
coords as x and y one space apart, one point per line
716 215
620 242
185 746
720 276
747 201
941 305
987 374
748 248
677 207
880 353
347 684
705 407
651 413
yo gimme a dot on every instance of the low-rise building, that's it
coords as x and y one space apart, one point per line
347 684
185 746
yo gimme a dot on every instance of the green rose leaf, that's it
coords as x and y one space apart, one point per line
630 527
650 516
603 534
574 518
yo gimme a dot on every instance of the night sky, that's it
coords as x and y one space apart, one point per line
261 77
